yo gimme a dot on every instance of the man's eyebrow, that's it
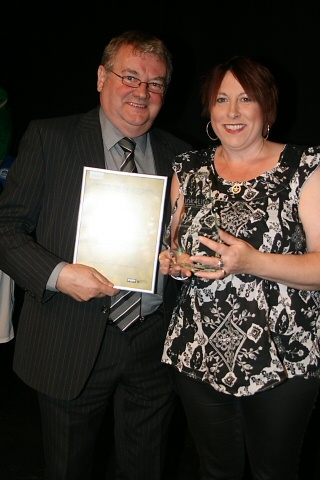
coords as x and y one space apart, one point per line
130 71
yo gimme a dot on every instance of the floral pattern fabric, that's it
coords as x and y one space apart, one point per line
244 334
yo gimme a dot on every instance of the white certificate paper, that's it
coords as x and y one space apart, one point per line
119 226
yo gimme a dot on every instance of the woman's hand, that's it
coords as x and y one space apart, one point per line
234 256
231 256
171 262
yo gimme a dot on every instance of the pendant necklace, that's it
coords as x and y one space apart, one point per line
236 186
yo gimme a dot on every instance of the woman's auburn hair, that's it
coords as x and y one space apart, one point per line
256 80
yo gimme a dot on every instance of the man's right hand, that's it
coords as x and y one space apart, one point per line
84 283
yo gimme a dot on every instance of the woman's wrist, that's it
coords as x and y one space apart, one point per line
177 277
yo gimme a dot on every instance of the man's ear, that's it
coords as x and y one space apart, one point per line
101 77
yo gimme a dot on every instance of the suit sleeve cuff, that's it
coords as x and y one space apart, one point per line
52 281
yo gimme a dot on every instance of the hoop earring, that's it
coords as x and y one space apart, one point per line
207 127
267 135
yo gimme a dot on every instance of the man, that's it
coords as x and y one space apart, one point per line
67 347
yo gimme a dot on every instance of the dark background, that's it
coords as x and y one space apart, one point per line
50 52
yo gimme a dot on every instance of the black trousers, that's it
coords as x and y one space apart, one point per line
129 370
268 426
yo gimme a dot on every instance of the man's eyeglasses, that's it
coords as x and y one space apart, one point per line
130 81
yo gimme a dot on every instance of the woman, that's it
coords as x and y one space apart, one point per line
244 336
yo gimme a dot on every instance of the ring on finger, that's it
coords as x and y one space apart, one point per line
225 274
220 264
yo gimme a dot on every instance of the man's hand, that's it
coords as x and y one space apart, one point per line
84 283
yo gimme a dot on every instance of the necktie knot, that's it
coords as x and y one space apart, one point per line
127 144
128 164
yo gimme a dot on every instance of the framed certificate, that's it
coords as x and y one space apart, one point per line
119 226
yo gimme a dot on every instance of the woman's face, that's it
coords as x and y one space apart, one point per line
236 119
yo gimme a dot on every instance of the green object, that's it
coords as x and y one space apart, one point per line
5 125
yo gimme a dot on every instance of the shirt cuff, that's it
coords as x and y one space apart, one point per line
52 281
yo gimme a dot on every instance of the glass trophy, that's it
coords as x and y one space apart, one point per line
200 217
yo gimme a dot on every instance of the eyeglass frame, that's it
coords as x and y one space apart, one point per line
140 82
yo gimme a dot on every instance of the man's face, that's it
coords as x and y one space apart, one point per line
131 110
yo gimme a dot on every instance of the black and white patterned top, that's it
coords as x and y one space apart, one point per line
244 334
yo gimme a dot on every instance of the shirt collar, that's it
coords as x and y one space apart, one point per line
111 135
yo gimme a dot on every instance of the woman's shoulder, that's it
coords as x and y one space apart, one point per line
300 149
194 159
304 154
301 161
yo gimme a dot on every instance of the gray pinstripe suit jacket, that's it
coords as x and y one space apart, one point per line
58 338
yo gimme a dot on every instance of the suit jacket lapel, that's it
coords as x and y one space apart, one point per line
89 140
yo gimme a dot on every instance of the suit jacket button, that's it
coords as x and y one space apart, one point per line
105 309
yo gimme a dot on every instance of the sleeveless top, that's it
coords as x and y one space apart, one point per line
244 334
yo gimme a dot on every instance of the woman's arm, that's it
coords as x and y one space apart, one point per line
296 271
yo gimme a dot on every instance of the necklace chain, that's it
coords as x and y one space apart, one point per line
237 185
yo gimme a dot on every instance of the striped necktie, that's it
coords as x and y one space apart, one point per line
128 164
125 307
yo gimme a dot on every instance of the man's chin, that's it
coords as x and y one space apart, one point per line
140 123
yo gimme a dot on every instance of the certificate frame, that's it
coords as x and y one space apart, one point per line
119 226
